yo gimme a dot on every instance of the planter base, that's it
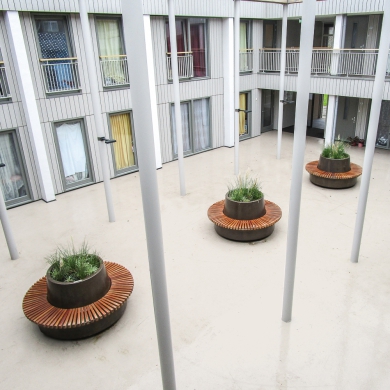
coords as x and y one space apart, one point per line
333 180
244 230
80 322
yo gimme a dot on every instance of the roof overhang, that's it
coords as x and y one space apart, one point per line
277 1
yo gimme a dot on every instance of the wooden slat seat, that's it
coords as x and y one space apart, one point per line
356 171
272 215
38 310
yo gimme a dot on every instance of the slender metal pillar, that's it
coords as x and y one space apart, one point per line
282 77
377 95
134 30
306 49
176 92
9 237
237 4
97 111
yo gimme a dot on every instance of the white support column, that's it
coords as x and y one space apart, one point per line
9 236
331 116
97 110
305 54
176 91
25 83
134 31
228 81
152 92
338 41
282 77
237 4
376 103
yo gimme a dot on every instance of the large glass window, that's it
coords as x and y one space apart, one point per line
59 67
195 117
191 47
73 154
113 60
13 180
246 52
124 147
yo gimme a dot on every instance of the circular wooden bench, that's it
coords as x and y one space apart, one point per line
332 179
83 321
244 230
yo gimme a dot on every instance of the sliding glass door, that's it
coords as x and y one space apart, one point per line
73 154
244 115
124 148
13 182
195 117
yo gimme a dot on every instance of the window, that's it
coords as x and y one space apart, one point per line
13 180
191 47
124 147
4 87
113 60
59 67
246 52
244 115
73 154
195 117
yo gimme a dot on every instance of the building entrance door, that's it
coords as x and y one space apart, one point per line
267 110
346 117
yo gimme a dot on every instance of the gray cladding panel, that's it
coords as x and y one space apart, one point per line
215 47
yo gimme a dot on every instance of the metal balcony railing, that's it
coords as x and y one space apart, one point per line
185 64
246 60
60 74
114 70
334 62
4 87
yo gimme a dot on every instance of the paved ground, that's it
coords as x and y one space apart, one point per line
225 297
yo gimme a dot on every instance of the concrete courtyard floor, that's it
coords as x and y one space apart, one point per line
225 297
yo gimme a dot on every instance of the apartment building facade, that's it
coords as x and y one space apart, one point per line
48 140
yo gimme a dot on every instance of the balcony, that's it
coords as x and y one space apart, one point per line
60 74
114 70
4 87
246 60
185 64
332 62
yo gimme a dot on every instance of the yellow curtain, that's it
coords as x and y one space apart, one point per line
121 131
243 106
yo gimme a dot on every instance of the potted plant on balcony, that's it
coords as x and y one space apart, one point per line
334 168
80 296
244 215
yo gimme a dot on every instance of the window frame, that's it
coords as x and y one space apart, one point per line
87 148
189 46
249 116
122 38
133 168
23 167
191 127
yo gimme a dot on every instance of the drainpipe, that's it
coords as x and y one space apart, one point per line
377 95
175 78
282 77
97 111
306 45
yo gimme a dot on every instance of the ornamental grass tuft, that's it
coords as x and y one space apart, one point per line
335 151
245 189
70 264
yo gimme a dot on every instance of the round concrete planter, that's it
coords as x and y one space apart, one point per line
77 294
333 165
244 211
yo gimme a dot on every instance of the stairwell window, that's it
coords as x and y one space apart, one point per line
59 66
191 39
195 117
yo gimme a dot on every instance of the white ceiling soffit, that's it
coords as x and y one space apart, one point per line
277 1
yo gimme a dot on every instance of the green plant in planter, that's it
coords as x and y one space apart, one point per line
70 264
335 151
245 189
